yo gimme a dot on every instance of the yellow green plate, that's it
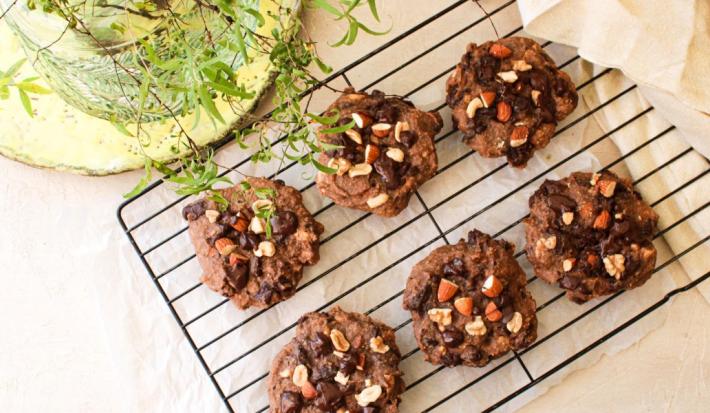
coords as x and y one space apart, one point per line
64 138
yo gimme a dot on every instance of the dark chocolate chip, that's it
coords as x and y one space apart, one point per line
320 344
452 338
487 67
248 241
348 363
386 169
454 267
254 266
561 203
193 211
238 275
266 291
323 372
329 396
419 298
408 138
569 282
284 223
291 402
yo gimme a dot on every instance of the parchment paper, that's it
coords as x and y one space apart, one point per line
162 374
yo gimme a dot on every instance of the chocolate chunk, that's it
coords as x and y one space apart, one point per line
238 276
408 138
561 203
254 266
290 402
454 267
284 223
324 372
320 344
248 240
348 363
329 396
452 338
193 211
386 169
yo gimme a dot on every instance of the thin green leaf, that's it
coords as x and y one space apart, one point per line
323 168
12 71
373 9
144 181
260 21
208 104
33 88
323 4
325 120
26 103
339 129
122 128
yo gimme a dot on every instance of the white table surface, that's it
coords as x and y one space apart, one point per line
59 234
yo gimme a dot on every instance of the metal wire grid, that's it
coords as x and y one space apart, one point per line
229 394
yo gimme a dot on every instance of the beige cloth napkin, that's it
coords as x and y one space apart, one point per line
662 46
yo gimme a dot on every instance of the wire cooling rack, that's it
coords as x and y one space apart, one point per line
235 349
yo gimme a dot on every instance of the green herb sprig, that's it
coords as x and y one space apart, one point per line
24 87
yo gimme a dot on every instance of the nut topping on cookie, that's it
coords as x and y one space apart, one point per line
371 153
473 106
339 341
602 220
265 249
257 225
535 95
398 129
503 112
225 246
360 169
550 242
378 200
354 136
567 217
476 327
441 316
362 120
341 378
508 77
369 395
378 345
446 290
212 215
614 265
606 188
300 375
568 264
499 51
395 154
488 98
308 391
521 66
493 314
381 130
519 136
241 225
342 165
492 287
464 305
515 323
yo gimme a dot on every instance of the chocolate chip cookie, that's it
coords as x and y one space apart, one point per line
253 250
384 158
337 362
469 304
507 97
591 234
